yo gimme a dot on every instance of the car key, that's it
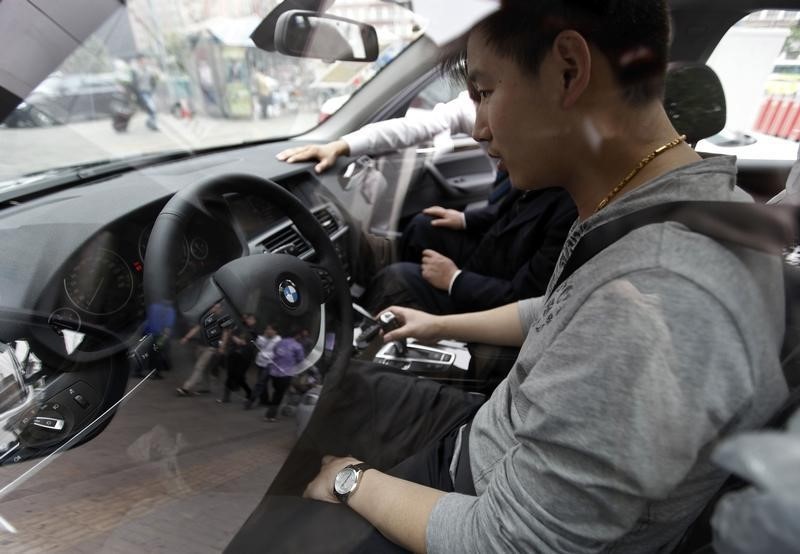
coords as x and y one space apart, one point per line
369 327
388 322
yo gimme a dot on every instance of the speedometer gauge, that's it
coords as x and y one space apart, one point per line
100 283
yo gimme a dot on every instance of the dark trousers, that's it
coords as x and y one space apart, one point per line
279 387
383 416
419 235
402 284
336 528
260 390
429 467
237 369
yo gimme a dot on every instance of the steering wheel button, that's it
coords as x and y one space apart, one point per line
209 320
212 332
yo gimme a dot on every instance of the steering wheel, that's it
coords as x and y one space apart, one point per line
272 287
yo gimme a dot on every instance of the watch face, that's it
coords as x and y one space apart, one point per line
345 480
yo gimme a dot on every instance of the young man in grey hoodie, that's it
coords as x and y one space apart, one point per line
633 367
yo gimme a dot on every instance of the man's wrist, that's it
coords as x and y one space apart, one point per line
352 144
453 281
345 463
342 147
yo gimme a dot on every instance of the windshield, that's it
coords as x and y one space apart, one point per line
207 285
166 76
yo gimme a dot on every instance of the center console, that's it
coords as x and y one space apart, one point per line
471 367
423 359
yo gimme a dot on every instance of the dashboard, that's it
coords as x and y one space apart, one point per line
73 261
77 256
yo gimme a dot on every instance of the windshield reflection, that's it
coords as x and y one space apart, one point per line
158 77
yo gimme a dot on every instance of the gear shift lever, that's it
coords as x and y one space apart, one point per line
388 322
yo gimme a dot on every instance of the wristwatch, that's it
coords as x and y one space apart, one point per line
347 481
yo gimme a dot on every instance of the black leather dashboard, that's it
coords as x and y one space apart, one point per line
78 254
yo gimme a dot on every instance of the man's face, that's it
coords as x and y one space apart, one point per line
516 115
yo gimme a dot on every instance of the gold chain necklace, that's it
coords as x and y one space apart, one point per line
646 160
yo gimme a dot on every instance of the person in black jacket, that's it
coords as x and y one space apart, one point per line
238 345
507 251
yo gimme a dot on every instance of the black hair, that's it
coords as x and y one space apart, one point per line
633 34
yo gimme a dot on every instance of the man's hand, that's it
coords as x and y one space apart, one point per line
414 323
437 269
325 153
399 509
321 488
446 218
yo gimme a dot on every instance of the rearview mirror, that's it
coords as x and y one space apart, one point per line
309 34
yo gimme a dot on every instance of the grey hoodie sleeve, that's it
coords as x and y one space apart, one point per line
607 428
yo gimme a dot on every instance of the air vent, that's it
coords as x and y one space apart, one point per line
326 219
286 241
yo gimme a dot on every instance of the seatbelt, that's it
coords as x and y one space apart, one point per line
765 228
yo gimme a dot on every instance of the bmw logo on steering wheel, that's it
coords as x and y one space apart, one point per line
287 290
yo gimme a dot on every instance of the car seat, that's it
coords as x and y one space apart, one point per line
702 114
694 100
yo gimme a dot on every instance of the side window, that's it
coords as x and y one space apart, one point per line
439 91
758 62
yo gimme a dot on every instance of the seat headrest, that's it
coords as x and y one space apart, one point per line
694 100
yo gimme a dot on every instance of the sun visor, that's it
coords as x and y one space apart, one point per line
447 21
39 34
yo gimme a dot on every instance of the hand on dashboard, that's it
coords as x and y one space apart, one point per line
327 154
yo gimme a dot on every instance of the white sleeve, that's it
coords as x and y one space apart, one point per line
456 116
452 281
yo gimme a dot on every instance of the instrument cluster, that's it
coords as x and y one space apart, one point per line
102 282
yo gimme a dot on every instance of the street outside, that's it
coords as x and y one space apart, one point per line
169 474
26 150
